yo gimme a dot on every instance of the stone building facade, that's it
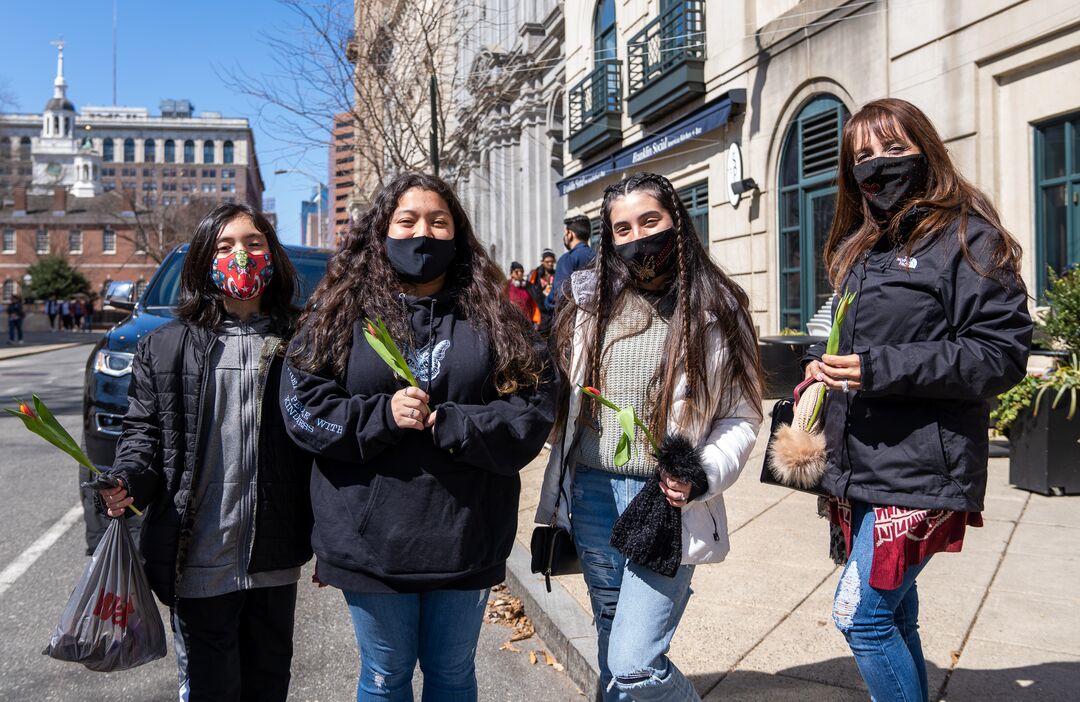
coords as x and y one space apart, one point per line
716 93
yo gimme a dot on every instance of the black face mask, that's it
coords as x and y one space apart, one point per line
650 257
420 259
887 182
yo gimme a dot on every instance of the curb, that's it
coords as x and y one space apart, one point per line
31 350
558 620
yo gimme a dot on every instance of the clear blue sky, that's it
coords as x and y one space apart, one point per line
166 50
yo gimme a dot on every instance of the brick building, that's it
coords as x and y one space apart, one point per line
125 175
342 144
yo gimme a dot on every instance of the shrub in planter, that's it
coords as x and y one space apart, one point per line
1039 413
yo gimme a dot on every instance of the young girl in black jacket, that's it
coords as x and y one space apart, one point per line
416 489
939 325
204 448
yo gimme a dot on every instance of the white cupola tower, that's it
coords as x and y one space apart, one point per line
58 119
54 151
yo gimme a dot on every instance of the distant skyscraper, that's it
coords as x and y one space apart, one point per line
341 161
314 214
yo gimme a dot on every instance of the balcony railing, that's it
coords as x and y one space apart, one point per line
667 41
665 60
596 109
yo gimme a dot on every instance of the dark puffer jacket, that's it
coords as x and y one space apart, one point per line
936 340
157 456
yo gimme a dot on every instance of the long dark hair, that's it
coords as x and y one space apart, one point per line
705 296
948 197
360 282
200 300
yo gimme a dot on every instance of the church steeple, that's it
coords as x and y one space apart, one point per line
58 120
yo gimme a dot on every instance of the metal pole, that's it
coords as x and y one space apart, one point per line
434 125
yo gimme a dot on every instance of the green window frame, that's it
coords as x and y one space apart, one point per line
1057 197
806 206
696 198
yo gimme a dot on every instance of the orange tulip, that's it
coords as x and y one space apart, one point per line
25 409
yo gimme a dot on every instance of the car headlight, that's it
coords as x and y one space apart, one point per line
114 363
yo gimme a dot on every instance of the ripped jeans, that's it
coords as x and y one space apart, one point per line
881 626
635 635
438 628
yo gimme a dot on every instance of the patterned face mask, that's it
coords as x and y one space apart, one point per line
650 257
242 276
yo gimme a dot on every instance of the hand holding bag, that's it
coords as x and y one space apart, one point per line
553 550
795 457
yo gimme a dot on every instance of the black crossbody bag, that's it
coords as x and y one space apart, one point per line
553 550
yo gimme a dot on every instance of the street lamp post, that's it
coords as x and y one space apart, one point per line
319 188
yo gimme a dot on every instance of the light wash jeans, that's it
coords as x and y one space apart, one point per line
438 628
635 610
881 626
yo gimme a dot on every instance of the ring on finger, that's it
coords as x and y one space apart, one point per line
413 414
844 385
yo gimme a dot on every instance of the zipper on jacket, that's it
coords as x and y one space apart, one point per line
267 353
715 529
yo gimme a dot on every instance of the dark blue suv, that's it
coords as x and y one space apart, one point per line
108 370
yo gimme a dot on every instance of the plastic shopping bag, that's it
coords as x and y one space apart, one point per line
111 621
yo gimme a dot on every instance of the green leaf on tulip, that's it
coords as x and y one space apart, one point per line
628 421
622 451
50 421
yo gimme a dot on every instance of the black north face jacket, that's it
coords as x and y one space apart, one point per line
936 340
157 457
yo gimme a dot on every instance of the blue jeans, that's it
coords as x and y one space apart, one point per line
439 628
635 610
881 626
15 330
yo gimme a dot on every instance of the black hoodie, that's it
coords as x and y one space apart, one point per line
400 510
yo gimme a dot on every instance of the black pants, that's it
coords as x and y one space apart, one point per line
236 647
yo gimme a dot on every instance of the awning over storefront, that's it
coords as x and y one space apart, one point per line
708 118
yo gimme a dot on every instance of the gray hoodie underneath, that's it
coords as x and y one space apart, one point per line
225 492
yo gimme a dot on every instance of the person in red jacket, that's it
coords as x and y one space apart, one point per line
517 292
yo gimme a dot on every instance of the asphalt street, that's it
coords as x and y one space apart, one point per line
40 488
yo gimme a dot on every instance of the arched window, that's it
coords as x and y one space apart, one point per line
170 151
227 152
129 150
9 289
107 152
55 125
149 150
208 151
5 148
604 30
189 151
807 204
24 149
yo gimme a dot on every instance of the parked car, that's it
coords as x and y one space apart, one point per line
108 370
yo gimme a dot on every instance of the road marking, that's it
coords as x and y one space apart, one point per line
20 565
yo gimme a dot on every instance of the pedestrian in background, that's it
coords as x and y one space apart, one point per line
65 315
88 320
539 287
416 488
577 257
657 326
204 447
939 325
515 290
77 311
52 309
15 316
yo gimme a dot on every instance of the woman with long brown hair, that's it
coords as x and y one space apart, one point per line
654 324
939 325
415 494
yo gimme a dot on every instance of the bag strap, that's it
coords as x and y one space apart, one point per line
801 387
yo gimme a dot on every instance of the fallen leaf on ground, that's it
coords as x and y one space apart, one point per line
532 657
509 647
549 659
509 611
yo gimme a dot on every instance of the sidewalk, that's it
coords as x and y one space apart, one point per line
42 341
999 621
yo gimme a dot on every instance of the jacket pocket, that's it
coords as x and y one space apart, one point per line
369 505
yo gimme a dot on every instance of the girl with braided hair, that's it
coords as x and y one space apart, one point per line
656 325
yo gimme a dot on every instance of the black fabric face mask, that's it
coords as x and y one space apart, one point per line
650 257
887 182
420 259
